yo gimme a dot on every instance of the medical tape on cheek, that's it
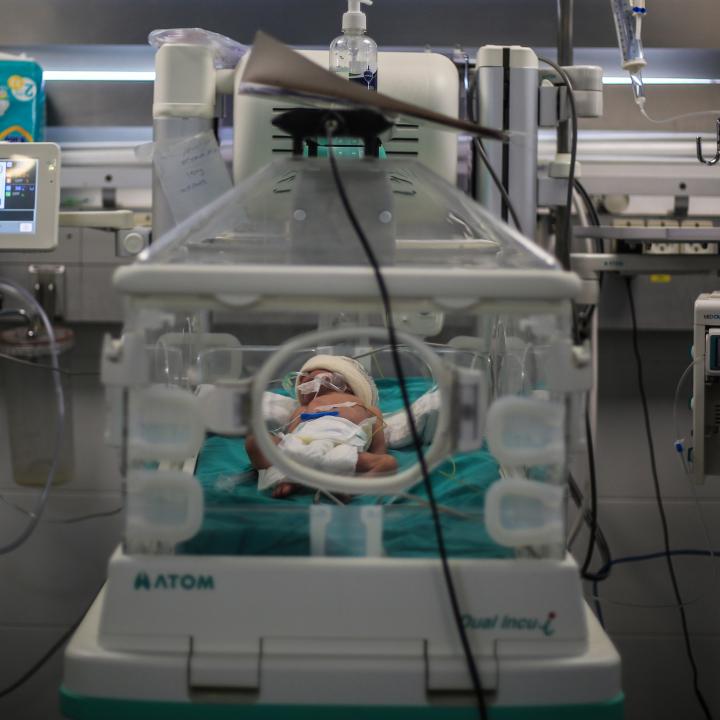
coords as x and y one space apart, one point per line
311 386
333 381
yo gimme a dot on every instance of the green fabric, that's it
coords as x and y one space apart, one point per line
240 520
76 707
344 147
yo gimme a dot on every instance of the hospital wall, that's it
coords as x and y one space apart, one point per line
417 23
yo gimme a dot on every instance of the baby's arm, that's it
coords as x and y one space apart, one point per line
376 459
258 460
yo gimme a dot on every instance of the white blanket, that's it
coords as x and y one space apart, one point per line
329 443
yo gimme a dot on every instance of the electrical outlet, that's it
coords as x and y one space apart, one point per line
699 248
661 248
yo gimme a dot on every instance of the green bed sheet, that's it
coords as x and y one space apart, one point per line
240 520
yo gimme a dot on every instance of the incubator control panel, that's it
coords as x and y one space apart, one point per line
29 196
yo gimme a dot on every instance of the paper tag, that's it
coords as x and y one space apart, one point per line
192 173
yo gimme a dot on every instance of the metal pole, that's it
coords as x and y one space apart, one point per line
565 57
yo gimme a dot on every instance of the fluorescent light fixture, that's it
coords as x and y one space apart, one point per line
625 80
100 75
149 76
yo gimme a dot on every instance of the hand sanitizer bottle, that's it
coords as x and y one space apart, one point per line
353 54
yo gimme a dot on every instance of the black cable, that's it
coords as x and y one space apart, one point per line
602 543
660 504
442 551
85 518
590 206
578 499
29 673
601 540
43 366
641 558
498 182
585 569
593 494
564 239
16 315
585 316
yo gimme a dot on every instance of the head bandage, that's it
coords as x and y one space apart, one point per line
360 382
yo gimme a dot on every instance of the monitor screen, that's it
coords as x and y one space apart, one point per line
18 201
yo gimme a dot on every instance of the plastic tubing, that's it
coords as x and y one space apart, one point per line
36 513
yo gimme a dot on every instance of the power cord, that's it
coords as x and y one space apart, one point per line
44 366
63 521
585 570
564 239
641 558
585 315
331 128
30 672
592 210
603 548
498 182
660 503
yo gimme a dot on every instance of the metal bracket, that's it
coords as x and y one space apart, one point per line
470 401
569 367
699 150
225 407
47 281
102 219
124 361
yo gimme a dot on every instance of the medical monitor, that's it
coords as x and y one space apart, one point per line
29 196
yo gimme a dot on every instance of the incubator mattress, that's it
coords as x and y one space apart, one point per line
240 520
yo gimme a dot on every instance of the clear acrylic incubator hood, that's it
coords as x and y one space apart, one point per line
284 229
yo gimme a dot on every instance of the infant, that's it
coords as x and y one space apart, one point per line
337 427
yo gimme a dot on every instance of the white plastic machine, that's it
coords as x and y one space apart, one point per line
29 196
222 601
703 456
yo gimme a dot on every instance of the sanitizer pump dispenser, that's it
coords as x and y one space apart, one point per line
353 54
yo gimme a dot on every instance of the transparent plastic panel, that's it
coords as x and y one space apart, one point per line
329 530
290 213
511 351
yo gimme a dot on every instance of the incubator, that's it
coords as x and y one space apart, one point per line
282 242
333 595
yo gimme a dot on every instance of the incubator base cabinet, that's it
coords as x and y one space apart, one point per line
226 599
559 665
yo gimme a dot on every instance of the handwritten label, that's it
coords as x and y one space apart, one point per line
192 173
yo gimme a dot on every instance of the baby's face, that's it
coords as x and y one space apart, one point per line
306 377
335 383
